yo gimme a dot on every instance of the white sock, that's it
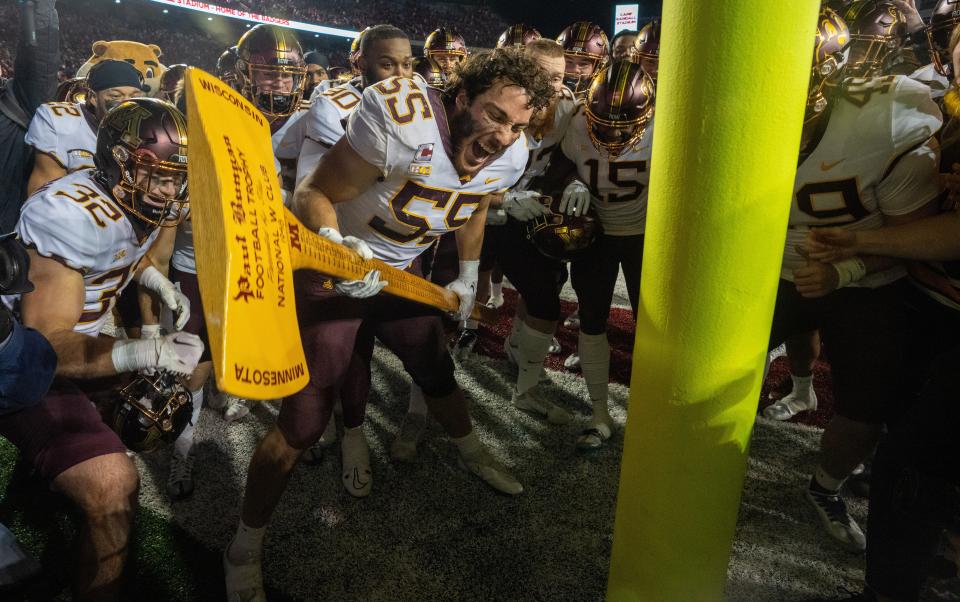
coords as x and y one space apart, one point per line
468 444
496 289
594 353
247 544
802 385
530 349
826 481
417 404
184 442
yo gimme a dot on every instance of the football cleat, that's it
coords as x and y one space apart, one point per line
357 476
237 408
244 582
572 362
404 447
790 405
597 431
494 474
532 401
495 301
180 479
554 347
833 514
573 320
464 343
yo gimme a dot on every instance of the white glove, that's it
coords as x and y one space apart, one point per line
150 331
575 199
465 286
178 352
371 284
170 295
523 205
496 217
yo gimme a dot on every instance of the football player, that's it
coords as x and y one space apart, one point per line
609 142
87 233
316 73
867 159
65 134
447 49
227 67
171 81
621 46
385 52
414 163
536 277
586 51
939 73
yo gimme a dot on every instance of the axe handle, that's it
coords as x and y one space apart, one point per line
309 250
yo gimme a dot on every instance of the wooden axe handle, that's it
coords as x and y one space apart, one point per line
309 250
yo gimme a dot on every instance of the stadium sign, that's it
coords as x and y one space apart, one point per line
233 13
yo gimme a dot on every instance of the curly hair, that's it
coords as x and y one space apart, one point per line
480 71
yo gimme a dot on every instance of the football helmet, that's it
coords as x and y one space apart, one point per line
152 410
142 159
355 52
227 66
878 29
271 71
430 71
73 90
444 44
830 54
171 79
946 16
646 48
584 39
561 236
619 106
518 36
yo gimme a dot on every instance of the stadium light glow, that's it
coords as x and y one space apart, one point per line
233 13
165 11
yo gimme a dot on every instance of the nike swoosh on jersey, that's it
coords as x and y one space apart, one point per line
824 166
491 180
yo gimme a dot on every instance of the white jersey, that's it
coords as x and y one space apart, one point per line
619 184
325 122
401 128
65 131
541 148
929 77
876 157
75 221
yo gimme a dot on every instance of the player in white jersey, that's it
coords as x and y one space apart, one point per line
86 235
609 142
414 163
867 159
271 74
536 277
64 134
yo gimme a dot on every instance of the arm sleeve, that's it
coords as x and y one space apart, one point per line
912 181
35 78
366 131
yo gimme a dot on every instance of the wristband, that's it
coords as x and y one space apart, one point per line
849 271
470 270
131 355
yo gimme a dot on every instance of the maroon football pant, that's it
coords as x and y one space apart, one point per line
594 277
337 335
61 431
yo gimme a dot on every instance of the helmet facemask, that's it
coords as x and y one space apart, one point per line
613 137
155 192
276 90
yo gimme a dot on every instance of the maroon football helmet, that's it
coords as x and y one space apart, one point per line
355 51
271 71
446 47
73 90
561 236
170 81
646 48
430 71
877 32
946 16
619 107
583 40
141 159
829 62
227 66
518 36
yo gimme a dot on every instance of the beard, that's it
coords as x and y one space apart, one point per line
461 128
